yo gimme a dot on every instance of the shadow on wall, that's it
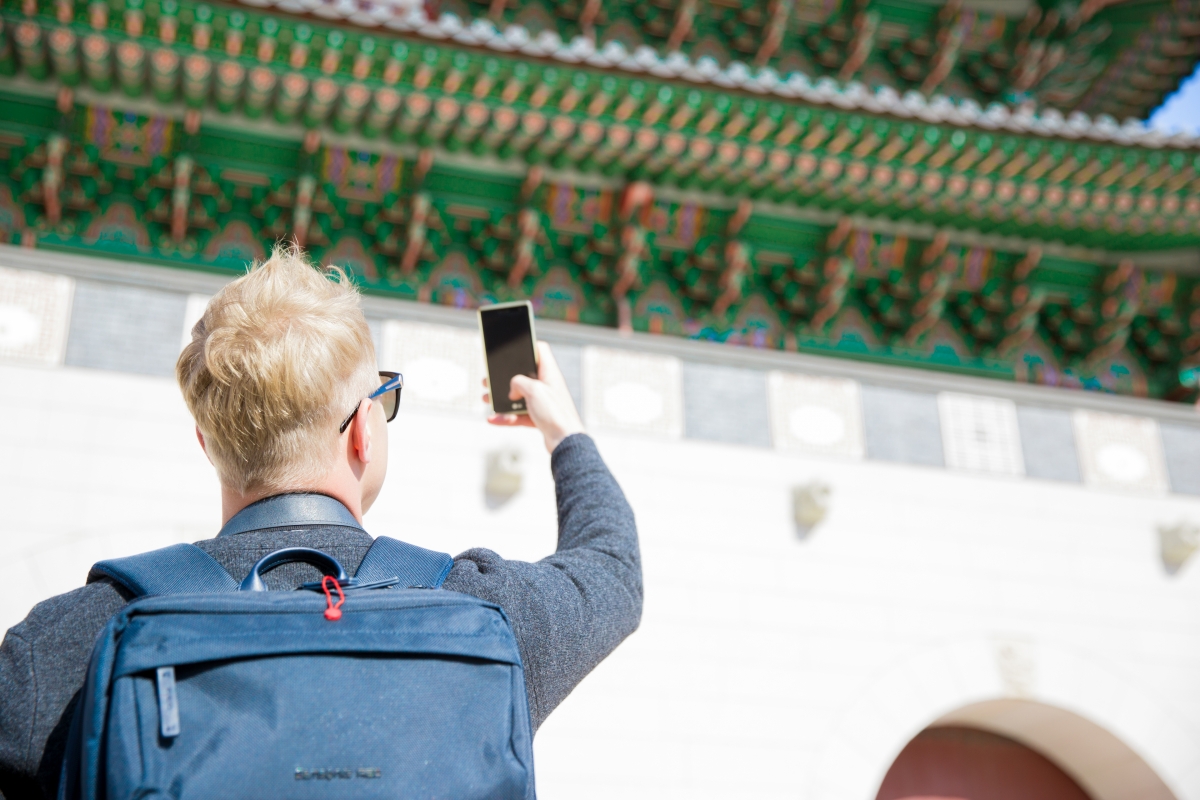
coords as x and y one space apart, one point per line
502 477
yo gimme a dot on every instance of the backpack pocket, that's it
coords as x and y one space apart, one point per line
411 702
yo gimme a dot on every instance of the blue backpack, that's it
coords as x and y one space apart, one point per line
204 688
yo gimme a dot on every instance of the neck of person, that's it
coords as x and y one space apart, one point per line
340 484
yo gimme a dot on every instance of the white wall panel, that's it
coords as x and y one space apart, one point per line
765 666
442 366
35 313
632 392
1117 451
816 416
980 434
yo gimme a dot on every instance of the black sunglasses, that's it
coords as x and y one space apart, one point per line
389 394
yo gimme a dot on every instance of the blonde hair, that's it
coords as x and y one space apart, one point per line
279 358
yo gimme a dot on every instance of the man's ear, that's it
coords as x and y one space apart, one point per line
203 446
360 432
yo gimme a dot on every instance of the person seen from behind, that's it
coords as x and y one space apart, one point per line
281 379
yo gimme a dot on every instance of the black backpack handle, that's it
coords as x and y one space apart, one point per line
322 561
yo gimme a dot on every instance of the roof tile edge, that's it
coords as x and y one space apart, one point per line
406 17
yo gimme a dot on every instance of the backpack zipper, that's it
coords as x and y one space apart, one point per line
168 703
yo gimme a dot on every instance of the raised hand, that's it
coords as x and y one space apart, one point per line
551 408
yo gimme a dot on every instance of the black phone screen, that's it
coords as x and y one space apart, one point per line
508 343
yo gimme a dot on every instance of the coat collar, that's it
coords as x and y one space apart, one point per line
290 510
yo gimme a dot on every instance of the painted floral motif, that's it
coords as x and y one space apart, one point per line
454 283
757 324
350 254
557 295
235 245
126 138
360 175
851 331
118 228
944 344
975 267
658 310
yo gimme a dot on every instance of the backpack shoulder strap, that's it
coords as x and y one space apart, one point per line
414 566
178 569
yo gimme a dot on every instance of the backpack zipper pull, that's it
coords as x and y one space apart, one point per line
333 611
168 703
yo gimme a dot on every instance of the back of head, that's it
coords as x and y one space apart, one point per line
279 358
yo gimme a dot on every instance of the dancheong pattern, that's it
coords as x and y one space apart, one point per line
939 186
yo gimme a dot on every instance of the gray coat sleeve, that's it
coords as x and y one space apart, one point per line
43 660
572 608
17 709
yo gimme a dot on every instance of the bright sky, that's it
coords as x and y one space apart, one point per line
1180 111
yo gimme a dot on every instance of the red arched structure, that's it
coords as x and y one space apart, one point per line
955 763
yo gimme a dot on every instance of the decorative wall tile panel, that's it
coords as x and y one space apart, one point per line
1048 443
726 404
125 328
902 426
1181 450
35 311
1120 452
634 392
980 434
192 312
442 366
818 416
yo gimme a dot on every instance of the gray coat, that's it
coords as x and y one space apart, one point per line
568 611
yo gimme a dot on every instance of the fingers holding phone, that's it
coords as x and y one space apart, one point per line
548 400
549 405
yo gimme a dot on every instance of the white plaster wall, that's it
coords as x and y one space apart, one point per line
766 666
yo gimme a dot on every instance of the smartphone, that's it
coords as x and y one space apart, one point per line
508 350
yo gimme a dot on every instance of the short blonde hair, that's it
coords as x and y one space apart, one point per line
279 358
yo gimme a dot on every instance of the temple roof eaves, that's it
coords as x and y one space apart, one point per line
406 17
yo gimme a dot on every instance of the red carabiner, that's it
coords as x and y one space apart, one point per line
333 611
